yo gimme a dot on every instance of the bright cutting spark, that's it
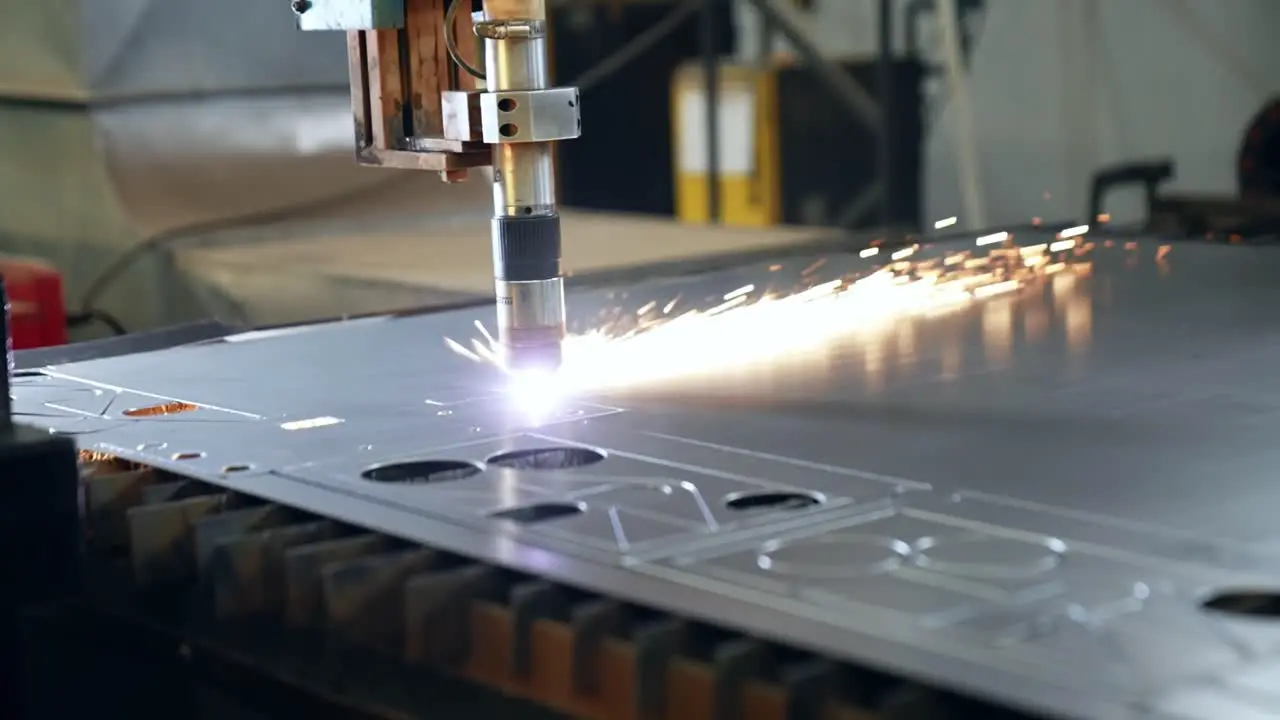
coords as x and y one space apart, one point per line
750 329
310 423
537 394
945 222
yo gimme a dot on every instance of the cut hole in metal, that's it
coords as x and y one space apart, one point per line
169 408
540 512
508 130
1253 604
232 469
188 455
771 500
506 104
422 472
558 458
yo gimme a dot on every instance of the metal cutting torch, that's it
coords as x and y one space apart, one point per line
417 105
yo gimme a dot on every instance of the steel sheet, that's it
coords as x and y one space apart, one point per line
1028 498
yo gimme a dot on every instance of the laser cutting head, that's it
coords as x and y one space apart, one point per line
531 349
512 125
536 348
529 291
522 117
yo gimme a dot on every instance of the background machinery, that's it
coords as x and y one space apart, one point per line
345 519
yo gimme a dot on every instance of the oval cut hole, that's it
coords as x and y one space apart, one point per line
421 472
553 458
771 500
539 513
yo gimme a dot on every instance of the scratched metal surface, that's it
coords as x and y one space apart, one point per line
1027 499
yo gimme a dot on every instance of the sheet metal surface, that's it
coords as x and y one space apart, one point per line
1027 499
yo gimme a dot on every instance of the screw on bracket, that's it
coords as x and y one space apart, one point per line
300 6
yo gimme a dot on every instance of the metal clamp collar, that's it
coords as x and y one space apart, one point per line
511 29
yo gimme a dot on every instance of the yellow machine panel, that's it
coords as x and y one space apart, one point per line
790 153
750 194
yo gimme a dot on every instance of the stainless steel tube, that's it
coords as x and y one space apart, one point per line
523 180
526 226
524 175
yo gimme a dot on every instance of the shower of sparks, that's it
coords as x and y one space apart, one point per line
747 328
1071 232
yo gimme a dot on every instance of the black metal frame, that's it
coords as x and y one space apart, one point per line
141 668
874 113
877 114
39 532
1218 217
861 105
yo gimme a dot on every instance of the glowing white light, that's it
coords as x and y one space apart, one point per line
536 394
310 423
1071 232
945 222
993 238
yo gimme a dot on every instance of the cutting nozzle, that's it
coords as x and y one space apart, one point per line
531 324
541 358
530 291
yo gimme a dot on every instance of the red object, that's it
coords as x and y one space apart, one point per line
38 313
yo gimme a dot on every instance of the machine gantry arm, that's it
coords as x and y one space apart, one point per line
416 105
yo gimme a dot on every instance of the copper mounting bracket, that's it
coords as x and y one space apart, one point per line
398 78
